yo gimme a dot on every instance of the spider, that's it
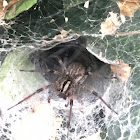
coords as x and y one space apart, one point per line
66 86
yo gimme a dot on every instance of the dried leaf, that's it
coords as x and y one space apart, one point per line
110 25
64 32
4 6
2 12
128 7
121 70
130 0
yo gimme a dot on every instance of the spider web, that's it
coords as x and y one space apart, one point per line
54 23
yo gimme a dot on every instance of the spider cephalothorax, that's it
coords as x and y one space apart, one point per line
70 79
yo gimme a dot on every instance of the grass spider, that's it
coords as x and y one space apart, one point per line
69 80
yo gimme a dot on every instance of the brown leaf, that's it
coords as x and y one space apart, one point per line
128 7
130 0
64 32
1 6
12 2
2 12
121 70
110 25
4 7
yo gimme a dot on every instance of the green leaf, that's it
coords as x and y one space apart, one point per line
11 78
22 5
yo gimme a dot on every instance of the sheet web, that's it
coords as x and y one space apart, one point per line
50 23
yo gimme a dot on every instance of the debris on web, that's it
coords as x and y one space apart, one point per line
121 70
33 32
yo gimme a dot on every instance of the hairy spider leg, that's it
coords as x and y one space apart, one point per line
96 94
51 95
101 76
43 71
70 112
37 70
37 91
61 64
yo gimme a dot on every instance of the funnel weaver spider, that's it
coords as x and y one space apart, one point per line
69 80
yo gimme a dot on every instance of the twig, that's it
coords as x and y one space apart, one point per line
125 33
12 2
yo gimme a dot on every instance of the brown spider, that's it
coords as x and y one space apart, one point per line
67 84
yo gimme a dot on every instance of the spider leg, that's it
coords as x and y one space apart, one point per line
101 76
38 70
37 91
51 95
96 94
70 112
62 64
43 71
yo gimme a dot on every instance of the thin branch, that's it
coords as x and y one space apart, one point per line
12 2
125 33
